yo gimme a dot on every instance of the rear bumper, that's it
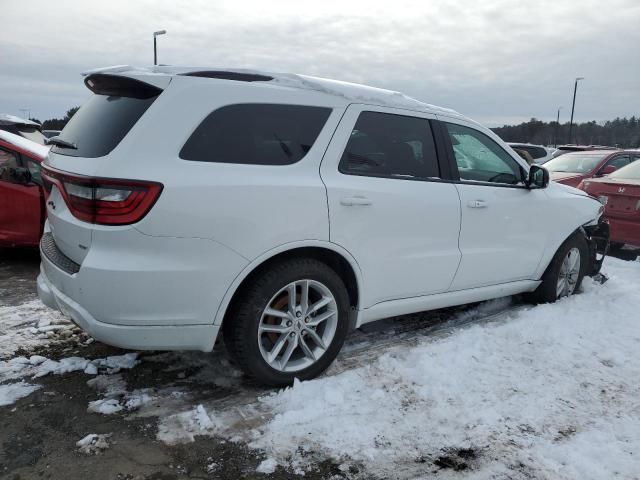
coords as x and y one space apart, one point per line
625 231
147 337
598 242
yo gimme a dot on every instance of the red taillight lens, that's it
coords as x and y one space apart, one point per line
104 201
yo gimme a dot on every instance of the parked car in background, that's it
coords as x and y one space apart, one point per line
572 168
22 127
620 195
285 210
22 209
538 153
51 133
562 149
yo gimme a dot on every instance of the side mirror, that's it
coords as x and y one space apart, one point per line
607 169
538 177
17 175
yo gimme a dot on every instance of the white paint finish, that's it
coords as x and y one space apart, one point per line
72 236
403 233
500 242
447 299
215 223
145 337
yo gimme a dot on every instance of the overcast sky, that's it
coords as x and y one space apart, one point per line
497 61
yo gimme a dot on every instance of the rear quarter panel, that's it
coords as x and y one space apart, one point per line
248 208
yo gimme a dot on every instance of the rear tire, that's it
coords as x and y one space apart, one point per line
563 277
289 322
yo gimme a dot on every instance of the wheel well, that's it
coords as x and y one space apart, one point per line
329 257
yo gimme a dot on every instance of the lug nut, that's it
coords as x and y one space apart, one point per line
298 314
289 323
292 334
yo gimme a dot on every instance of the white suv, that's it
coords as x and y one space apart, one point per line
286 210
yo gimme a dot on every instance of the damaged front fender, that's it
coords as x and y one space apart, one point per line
598 241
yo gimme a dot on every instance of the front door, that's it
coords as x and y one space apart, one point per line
388 206
499 238
20 205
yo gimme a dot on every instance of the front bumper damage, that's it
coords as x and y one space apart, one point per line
598 241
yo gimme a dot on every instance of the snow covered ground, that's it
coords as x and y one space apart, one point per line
499 391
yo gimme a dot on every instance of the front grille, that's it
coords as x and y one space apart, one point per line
53 253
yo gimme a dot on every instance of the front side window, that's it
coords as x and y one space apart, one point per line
619 161
389 145
256 134
480 159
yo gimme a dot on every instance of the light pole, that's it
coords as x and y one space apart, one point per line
155 46
573 105
555 135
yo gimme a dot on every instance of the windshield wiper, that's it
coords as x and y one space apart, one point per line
59 142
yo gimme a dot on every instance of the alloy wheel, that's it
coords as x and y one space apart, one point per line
297 326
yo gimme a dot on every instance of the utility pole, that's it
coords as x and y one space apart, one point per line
155 45
555 135
573 106
26 113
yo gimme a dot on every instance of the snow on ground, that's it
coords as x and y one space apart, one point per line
553 390
549 391
93 443
29 325
12 392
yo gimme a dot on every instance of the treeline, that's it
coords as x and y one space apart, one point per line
57 123
621 132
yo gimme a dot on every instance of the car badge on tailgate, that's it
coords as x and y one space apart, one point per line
621 190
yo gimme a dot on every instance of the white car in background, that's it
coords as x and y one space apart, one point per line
284 210
539 153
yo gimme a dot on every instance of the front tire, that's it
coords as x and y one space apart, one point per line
289 322
564 274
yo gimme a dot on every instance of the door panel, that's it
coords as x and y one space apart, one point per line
20 205
20 214
499 240
402 231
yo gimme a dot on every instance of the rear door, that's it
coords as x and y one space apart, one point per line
388 206
21 207
499 240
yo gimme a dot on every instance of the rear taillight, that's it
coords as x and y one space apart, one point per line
104 201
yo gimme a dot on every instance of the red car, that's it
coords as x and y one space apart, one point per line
572 168
22 209
620 194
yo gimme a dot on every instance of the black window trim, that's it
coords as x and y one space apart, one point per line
453 165
443 166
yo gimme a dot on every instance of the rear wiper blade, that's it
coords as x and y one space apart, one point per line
59 142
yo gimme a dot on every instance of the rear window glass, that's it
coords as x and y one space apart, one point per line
257 134
100 124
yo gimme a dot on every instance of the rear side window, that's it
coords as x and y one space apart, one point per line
256 134
535 152
389 145
100 124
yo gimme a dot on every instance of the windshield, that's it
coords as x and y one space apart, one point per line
31 133
631 172
575 162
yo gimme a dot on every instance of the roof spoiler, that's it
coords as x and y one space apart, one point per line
120 86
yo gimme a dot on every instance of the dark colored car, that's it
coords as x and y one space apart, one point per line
21 127
572 168
620 195
22 211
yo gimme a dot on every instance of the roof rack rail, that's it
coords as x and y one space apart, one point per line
222 75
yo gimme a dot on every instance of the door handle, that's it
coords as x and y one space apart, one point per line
357 200
477 204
